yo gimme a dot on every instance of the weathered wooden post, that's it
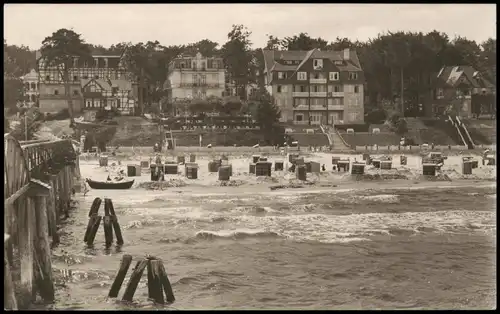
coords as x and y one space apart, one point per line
116 225
157 280
108 227
134 280
166 283
51 215
120 277
59 201
96 221
9 297
10 212
43 269
94 208
25 221
155 290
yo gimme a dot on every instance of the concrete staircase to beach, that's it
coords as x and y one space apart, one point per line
334 138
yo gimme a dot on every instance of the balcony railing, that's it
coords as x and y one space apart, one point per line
317 81
318 94
319 107
336 107
300 94
206 85
200 69
335 94
59 96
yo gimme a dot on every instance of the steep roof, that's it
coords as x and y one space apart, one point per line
450 76
32 75
272 58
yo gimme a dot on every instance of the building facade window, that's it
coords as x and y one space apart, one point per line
300 88
300 102
334 88
281 75
353 75
56 92
356 89
299 117
335 101
302 76
75 92
334 76
279 89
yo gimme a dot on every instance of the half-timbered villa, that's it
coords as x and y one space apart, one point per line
108 94
102 67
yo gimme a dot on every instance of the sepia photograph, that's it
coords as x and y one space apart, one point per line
250 156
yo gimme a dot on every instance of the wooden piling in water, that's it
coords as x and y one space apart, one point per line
116 226
9 296
167 287
89 227
120 277
8 228
155 289
108 230
43 271
25 234
65 191
94 208
93 231
51 216
55 193
108 225
134 281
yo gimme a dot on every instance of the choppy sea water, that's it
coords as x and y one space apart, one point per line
356 249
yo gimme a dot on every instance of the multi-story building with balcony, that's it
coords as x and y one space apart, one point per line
195 77
316 87
102 67
30 90
463 91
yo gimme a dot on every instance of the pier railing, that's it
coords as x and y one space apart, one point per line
38 177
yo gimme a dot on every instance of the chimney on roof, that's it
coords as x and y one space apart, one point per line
347 54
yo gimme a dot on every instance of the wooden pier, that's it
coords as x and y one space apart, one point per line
39 177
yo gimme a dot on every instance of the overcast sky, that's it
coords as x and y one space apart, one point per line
174 24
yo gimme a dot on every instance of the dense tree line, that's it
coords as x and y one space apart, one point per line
17 61
392 62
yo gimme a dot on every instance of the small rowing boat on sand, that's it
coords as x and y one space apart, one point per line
110 185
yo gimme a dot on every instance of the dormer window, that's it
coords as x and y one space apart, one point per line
281 75
353 75
318 64
75 62
339 62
